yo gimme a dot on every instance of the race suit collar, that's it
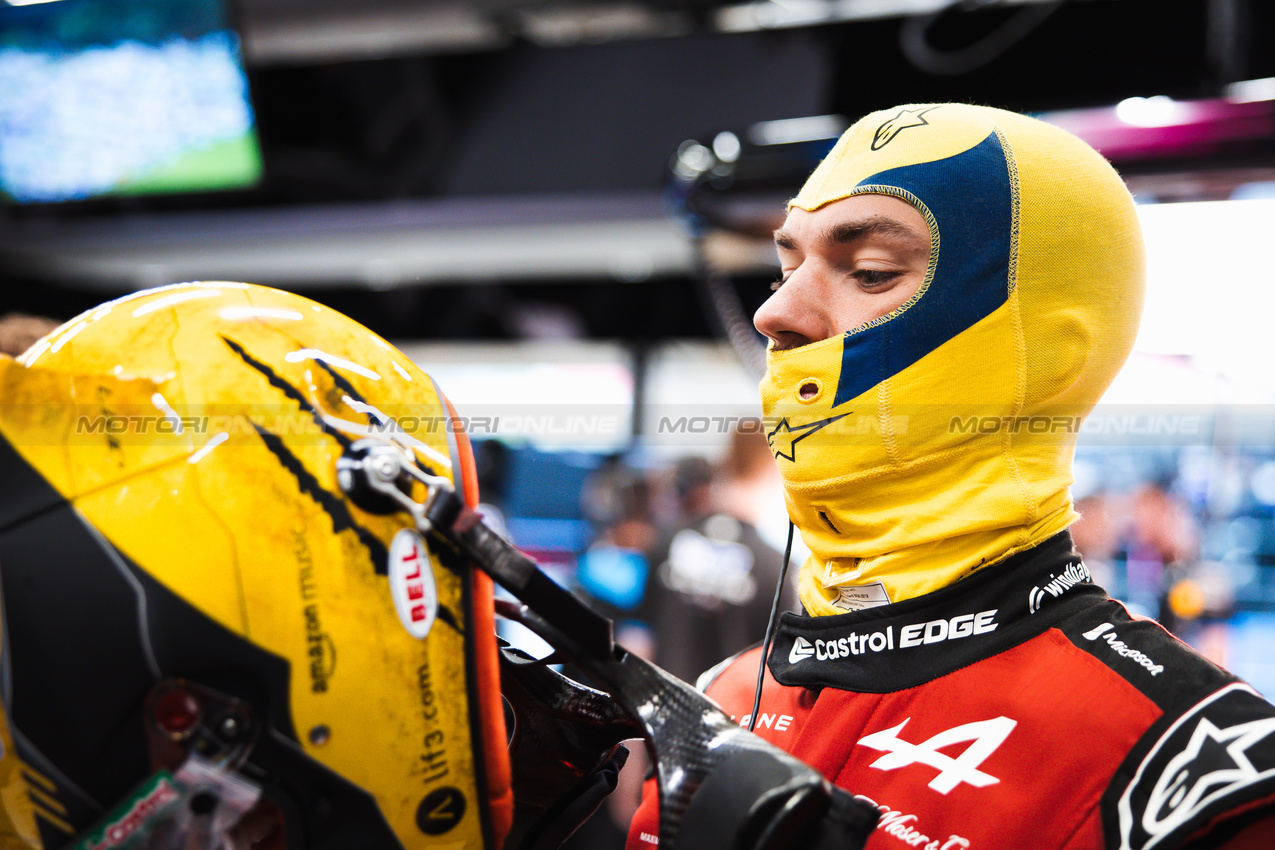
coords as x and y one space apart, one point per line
893 647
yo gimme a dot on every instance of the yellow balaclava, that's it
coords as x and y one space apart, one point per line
938 439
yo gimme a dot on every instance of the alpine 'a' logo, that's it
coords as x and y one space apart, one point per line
800 649
984 737
412 583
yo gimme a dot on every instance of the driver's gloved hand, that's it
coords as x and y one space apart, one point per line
564 750
561 820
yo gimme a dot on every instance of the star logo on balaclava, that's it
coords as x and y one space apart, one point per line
784 439
892 127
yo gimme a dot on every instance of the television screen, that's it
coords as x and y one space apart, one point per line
122 97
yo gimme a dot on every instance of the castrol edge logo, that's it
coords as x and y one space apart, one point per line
412 583
915 634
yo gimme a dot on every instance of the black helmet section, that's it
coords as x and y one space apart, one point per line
88 634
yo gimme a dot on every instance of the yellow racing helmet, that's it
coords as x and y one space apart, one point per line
206 642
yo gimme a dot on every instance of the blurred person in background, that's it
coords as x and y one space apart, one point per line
1096 534
613 571
612 574
960 286
1160 550
713 579
1149 535
1187 595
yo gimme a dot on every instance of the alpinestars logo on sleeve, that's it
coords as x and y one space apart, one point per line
784 438
1221 752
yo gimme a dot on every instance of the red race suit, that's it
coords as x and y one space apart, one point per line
1019 708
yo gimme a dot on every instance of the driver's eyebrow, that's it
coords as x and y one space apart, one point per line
849 231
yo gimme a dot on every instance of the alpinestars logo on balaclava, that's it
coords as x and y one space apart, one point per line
784 438
905 119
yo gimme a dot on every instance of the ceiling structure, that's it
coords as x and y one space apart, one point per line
440 144
306 31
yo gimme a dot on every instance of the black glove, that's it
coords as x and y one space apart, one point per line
564 750
719 785
753 801
560 821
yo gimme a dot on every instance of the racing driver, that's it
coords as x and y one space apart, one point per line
960 285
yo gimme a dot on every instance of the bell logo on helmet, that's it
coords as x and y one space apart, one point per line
412 583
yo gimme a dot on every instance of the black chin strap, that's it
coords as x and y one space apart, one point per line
770 628
578 626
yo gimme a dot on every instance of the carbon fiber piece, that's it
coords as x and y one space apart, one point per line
562 732
720 785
